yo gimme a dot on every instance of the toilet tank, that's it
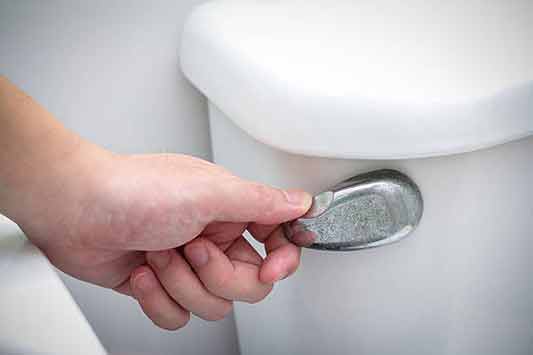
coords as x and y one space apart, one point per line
308 93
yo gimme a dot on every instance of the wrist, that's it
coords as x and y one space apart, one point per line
44 185
39 157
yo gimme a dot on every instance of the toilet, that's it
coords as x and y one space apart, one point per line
304 94
37 313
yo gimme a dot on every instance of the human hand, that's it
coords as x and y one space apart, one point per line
165 229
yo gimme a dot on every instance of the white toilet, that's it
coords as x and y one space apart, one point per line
307 93
38 316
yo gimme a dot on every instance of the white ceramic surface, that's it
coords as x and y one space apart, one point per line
461 284
389 82
37 314
380 79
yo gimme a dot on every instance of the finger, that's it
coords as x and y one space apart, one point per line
124 288
303 238
261 232
282 260
155 302
241 250
237 200
222 233
182 284
234 280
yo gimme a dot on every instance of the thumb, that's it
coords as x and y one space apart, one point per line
238 200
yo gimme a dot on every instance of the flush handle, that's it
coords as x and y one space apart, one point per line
365 211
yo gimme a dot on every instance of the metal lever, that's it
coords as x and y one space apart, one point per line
365 211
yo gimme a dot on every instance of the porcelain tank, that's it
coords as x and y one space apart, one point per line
307 94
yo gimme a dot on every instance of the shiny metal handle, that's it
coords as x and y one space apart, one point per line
365 211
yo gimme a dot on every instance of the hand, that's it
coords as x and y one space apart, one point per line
165 229
116 221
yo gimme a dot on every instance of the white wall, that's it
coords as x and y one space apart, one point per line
109 70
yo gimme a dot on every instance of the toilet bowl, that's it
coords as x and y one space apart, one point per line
307 94
37 313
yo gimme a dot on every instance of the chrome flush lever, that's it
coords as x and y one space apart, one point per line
365 211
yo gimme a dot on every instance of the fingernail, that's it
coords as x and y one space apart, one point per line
197 254
141 284
298 198
159 259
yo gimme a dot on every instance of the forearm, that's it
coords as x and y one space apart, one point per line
35 151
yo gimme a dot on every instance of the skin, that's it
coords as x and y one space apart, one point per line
165 229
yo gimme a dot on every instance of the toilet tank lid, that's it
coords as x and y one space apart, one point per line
371 80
